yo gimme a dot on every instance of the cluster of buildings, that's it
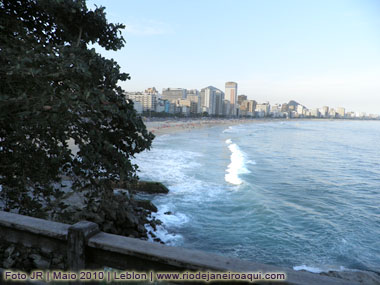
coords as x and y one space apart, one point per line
296 110
211 101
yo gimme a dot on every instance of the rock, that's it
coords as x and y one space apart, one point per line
120 192
57 260
146 204
133 234
141 229
75 200
91 216
40 262
148 187
153 225
144 220
107 226
168 213
9 262
364 277
131 219
9 251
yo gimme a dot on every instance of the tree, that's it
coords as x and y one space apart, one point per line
54 88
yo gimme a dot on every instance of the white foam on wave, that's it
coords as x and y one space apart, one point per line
163 234
229 130
318 270
193 190
173 220
172 167
156 163
237 165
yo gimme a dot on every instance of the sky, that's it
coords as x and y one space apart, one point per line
324 52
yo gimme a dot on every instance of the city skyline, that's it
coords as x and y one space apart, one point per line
325 53
214 102
199 93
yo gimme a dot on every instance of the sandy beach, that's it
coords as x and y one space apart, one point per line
161 127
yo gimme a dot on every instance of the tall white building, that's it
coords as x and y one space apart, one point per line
219 97
263 109
341 112
231 95
315 113
148 101
231 92
332 113
226 107
211 100
300 110
324 111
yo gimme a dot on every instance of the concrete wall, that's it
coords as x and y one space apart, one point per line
87 248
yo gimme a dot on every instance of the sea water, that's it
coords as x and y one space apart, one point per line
301 194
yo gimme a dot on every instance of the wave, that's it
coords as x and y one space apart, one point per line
237 165
318 269
154 164
174 219
229 130
162 233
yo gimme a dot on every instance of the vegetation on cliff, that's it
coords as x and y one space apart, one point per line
53 89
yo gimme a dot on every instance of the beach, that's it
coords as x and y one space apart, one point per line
168 126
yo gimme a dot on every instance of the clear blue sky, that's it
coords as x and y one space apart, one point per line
324 52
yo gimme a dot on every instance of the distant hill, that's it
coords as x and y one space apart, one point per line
295 104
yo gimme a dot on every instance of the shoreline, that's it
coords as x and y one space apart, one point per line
164 127
171 125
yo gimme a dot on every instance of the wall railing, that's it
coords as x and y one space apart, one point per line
86 247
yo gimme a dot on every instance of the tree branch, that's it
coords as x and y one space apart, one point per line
79 36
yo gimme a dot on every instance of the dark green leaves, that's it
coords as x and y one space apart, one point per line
52 89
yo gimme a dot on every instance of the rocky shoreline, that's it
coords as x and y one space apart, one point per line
122 214
128 215
359 276
125 213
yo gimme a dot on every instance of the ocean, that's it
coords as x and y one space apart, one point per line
303 194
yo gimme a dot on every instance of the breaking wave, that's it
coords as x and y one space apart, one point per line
237 165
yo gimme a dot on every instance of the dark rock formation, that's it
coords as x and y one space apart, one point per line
146 204
117 213
149 187
25 258
363 277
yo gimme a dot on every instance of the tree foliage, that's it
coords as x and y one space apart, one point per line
54 88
